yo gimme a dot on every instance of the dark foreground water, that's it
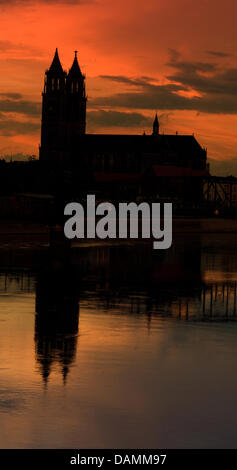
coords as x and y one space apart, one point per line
123 347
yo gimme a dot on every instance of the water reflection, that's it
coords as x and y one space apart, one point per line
56 319
151 323
179 282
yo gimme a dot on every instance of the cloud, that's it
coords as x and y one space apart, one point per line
14 103
10 95
174 54
103 118
193 85
218 54
11 127
146 96
122 79
204 77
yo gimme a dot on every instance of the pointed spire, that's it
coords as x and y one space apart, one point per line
156 126
75 70
56 67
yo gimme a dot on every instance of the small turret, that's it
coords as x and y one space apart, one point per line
156 126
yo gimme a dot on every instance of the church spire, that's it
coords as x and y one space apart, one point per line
55 76
156 126
75 71
56 67
76 80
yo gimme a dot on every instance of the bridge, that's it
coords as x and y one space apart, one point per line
220 191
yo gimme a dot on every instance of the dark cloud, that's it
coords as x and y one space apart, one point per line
215 89
148 79
192 67
14 103
11 96
174 54
103 118
204 77
218 54
142 82
10 127
120 79
146 96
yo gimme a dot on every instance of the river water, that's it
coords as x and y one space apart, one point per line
122 347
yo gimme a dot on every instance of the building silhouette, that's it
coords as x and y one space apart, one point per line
116 165
63 110
73 163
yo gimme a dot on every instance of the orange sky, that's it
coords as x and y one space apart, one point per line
174 56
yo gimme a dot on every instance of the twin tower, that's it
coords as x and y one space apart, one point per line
63 111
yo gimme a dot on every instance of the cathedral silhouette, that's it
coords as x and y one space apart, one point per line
116 165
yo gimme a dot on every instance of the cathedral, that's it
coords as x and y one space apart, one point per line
154 164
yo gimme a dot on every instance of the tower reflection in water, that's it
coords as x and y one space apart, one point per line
188 282
57 318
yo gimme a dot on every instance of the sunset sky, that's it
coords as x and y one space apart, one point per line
176 57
